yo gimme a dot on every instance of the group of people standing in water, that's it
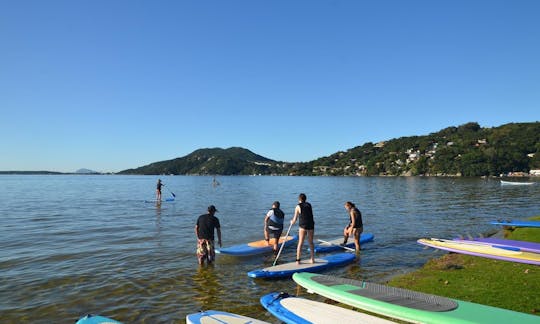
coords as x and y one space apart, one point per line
273 226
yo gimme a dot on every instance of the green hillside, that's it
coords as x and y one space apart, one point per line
466 150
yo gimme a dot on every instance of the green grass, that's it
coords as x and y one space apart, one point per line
503 284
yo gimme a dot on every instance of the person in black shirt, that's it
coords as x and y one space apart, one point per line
204 229
304 214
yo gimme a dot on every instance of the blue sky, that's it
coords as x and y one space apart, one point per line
111 85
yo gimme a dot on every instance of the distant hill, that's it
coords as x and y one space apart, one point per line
231 161
465 150
86 171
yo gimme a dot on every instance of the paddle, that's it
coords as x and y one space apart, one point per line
282 245
342 246
172 193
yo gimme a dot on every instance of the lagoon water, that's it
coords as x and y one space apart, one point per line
78 244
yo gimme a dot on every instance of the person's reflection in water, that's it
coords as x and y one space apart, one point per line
207 288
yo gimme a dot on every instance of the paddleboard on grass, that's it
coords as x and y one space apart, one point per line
219 317
291 309
288 269
407 305
516 223
499 252
520 245
96 319
334 245
256 247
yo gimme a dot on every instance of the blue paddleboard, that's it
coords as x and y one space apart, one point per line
219 317
334 245
291 309
288 269
256 247
516 223
96 319
157 201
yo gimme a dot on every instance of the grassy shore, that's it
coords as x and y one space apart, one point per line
503 284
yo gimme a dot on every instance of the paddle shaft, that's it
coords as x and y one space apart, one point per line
345 247
172 193
282 245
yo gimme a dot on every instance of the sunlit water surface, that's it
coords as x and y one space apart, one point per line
73 245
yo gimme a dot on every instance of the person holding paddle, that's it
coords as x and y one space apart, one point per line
273 223
204 229
158 190
355 227
304 213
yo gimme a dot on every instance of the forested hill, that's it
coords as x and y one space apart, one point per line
466 150
231 161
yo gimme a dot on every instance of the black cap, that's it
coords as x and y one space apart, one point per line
212 208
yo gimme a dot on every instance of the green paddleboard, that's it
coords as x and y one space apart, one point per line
406 304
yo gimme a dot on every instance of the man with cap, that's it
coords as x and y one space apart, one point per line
204 229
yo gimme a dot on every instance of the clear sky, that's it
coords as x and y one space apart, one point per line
111 85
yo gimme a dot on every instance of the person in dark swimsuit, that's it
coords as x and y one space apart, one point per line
304 214
158 190
355 227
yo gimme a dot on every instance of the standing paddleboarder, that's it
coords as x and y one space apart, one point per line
304 213
204 229
158 190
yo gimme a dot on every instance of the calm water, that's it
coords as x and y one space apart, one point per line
73 245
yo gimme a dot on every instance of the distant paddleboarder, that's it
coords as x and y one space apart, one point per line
158 190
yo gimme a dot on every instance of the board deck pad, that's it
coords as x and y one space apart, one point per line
219 317
397 296
288 269
292 309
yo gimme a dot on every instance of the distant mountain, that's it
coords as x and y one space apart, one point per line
231 161
86 171
465 150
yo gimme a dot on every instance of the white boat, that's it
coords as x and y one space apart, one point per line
515 183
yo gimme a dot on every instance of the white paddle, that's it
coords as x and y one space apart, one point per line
282 245
341 246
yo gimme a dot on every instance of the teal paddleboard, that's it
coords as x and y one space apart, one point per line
96 319
406 304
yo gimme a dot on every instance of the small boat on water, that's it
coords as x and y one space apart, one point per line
515 183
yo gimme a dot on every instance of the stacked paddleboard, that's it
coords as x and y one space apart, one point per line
406 305
492 251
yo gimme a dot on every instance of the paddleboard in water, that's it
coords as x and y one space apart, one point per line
219 317
256 247
96 319
499 252
516 223
521 245
157 201
288 269
334 245
407 305
291 309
